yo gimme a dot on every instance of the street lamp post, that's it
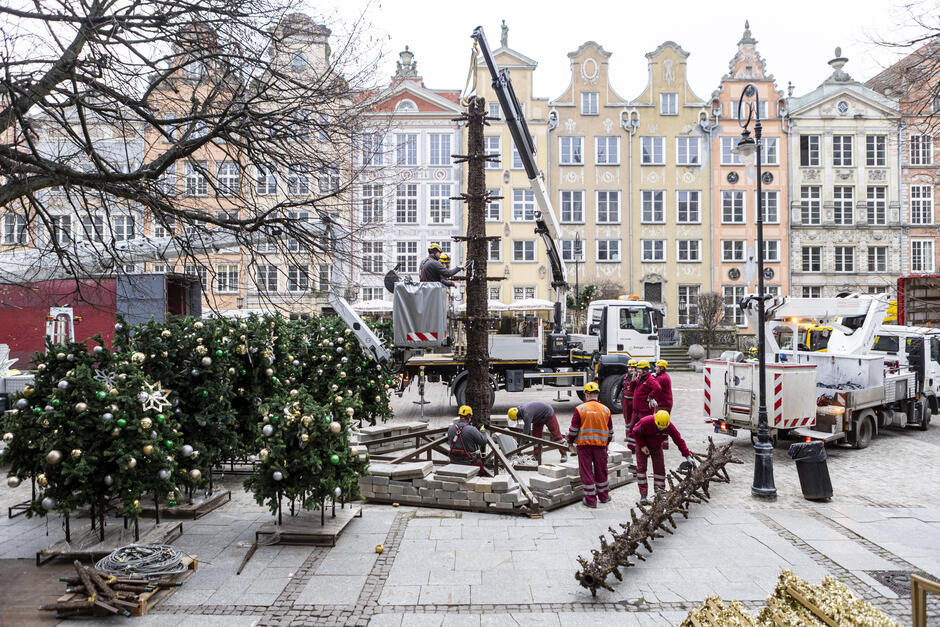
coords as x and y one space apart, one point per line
763 486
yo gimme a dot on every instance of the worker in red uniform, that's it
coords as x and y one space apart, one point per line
592 430
536 417
465 440
664 398
629 380
650 434
645 391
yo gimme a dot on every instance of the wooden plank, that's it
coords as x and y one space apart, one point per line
802 600
418 451
533 501
305 528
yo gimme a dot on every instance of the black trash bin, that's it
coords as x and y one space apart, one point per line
810 458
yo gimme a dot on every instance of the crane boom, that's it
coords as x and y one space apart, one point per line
546 224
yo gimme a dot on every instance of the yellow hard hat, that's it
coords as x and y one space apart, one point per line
465 410
662 419
662 363
591 386
433 247
513 413
643 364
752 350
445 258
632 363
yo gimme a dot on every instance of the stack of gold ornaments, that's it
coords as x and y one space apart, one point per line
794 603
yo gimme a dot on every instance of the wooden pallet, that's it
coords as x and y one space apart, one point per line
86 547
305 528
195 510
147 600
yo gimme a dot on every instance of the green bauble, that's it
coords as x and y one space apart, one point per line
219 353
101 395
161 418
334 459
244 372
37 410
121 422
205 393
168 443
56 402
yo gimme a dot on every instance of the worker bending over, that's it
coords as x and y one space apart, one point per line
465 440
592 430
664 398
535 417
433 271
650 434
626 402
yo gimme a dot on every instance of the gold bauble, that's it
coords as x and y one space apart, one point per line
166 333
336 427
113 392
41 480
379 549
263 454
148 449
8 437
132 463
136 503
76 453
28 391
146 423
304 437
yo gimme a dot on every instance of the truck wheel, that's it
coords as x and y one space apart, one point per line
925 413
611 393
866 430
460 393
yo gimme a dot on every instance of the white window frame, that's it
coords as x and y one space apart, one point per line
15 232
569 250
373 257
843 150
652 150
727 144
572 206
439 148
811 291
197 186
876 151
610 155
770 206
372 201
523 205
229 183
921 152
523 292
406 149
266 274
93 228
731 295
440 206
571 150
877 208
651 211
653 250
265 181
494 245
406 203
689 251
812 151
590 103
494 207
298 278
406 254
227 278
925 253
687 151
733 250
607 251
669 103
843 259
771 250
811 259
688 309
604 199
693 198
843 205
921 201
372 149
298 181
811 204
527 249
123 228
770 150
730 212
877 258
492 145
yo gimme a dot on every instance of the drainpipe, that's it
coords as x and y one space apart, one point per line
785 126
716 113
630 124
901 238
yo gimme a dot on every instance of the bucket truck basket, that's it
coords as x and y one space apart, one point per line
419 315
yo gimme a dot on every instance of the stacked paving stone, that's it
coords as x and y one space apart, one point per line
368 434
560 483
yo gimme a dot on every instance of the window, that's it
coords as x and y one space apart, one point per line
440 148
653 250
494 250
608 207
494 293
652 150
493 110
842 151
772 290
810 204
372 204
688 210
406 203
572 250
329 179
608 250
14 229
921 150
494 207
652 210
523 250
877 258
226 278
169 130
669 103
811 291
302 216
608 150
769 153
266 278
199 272
161 268
737 111
770 204
265 181
732 295
298 181
688 304
689 251
324 276
771 251
196 184
373 257
687 151
406 256
732 207
229 179
523 205
572 207
571 150
845 259
491 145
732 250
588 103
372 293
123 228
875 151
298 62
921 204
298 278
922 255
809 150
166 184
92 228
523 293
877 205
406 149
728 157
440 206
372 151
162 230
516 158
842 209
812 258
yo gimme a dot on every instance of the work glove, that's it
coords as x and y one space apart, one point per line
687 465
653 403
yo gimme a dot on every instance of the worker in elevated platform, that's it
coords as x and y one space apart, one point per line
592 431
626 402
433 271
536 417
465 440
651 434
664 398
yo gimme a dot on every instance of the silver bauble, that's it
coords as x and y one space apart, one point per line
142 397
269 372
164 474
13 482
54 457
49 408
132 463
187 450
60 356
206 361
97 350
337 491
63 384
195 474
80 407
267 430
22 403
277 475
70 357
336 427
107 416
108 480
7 437
48 503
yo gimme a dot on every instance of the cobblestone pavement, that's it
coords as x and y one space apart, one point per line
447 568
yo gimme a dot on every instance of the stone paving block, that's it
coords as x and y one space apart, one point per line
553 470
461 471
412 470
491 497
481 484
547 483
444 594
399 595
501 483
381 469
450 486
331 590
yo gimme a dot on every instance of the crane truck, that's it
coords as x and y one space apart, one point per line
427 345
858 387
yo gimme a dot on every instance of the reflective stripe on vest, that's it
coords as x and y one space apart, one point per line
595 419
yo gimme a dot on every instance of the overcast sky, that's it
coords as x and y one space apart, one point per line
796 38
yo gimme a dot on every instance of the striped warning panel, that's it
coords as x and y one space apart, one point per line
421 337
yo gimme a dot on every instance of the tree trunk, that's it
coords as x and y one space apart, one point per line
478 358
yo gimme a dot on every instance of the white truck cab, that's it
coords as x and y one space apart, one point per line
624 327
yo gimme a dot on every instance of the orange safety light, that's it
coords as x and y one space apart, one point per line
809 439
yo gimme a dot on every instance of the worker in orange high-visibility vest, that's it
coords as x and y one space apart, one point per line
592 431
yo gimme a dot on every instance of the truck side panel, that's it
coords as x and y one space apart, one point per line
142 297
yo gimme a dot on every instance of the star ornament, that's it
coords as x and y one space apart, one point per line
156 397
6 369
105 377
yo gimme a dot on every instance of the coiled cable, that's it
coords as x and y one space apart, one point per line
151 561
